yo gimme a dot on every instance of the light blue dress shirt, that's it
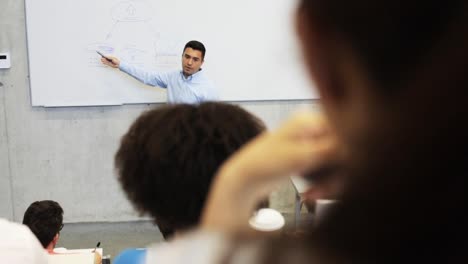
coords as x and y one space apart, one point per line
191 90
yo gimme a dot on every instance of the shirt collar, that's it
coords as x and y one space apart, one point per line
198 73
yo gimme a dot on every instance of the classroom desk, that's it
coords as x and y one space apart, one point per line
73 256
321 205
300 186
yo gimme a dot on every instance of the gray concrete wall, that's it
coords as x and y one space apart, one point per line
66 154
5 180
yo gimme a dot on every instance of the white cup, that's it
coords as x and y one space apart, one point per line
267 220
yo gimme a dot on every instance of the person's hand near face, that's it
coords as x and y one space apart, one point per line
303 143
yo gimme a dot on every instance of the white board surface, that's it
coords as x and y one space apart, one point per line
252 51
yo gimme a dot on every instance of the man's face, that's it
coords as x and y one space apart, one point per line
191 61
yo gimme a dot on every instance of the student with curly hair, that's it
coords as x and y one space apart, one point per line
169 156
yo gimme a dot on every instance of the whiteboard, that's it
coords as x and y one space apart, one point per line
252 51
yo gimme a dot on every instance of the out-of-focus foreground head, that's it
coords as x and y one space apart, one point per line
393 81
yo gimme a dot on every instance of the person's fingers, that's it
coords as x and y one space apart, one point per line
320 192
97 258
106 62
114 62
271 157
304 125
300 144
309 154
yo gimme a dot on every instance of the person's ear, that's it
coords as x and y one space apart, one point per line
56 238
321 57
52 243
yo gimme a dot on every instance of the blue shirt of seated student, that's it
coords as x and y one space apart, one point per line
187 86
131 256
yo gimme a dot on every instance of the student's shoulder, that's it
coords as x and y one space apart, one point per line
131 256
19 245
16 230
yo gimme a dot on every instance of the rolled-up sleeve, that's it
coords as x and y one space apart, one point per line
146 77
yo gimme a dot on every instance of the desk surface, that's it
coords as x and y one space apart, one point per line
76 251
73 256
300 184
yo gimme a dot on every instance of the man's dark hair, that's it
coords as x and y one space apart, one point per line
196 45
45 219
169 156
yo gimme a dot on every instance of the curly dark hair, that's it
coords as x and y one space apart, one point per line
45 219
169 156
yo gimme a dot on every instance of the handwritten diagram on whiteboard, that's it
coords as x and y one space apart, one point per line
133 39
242 54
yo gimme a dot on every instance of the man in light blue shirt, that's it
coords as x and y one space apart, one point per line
190 85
